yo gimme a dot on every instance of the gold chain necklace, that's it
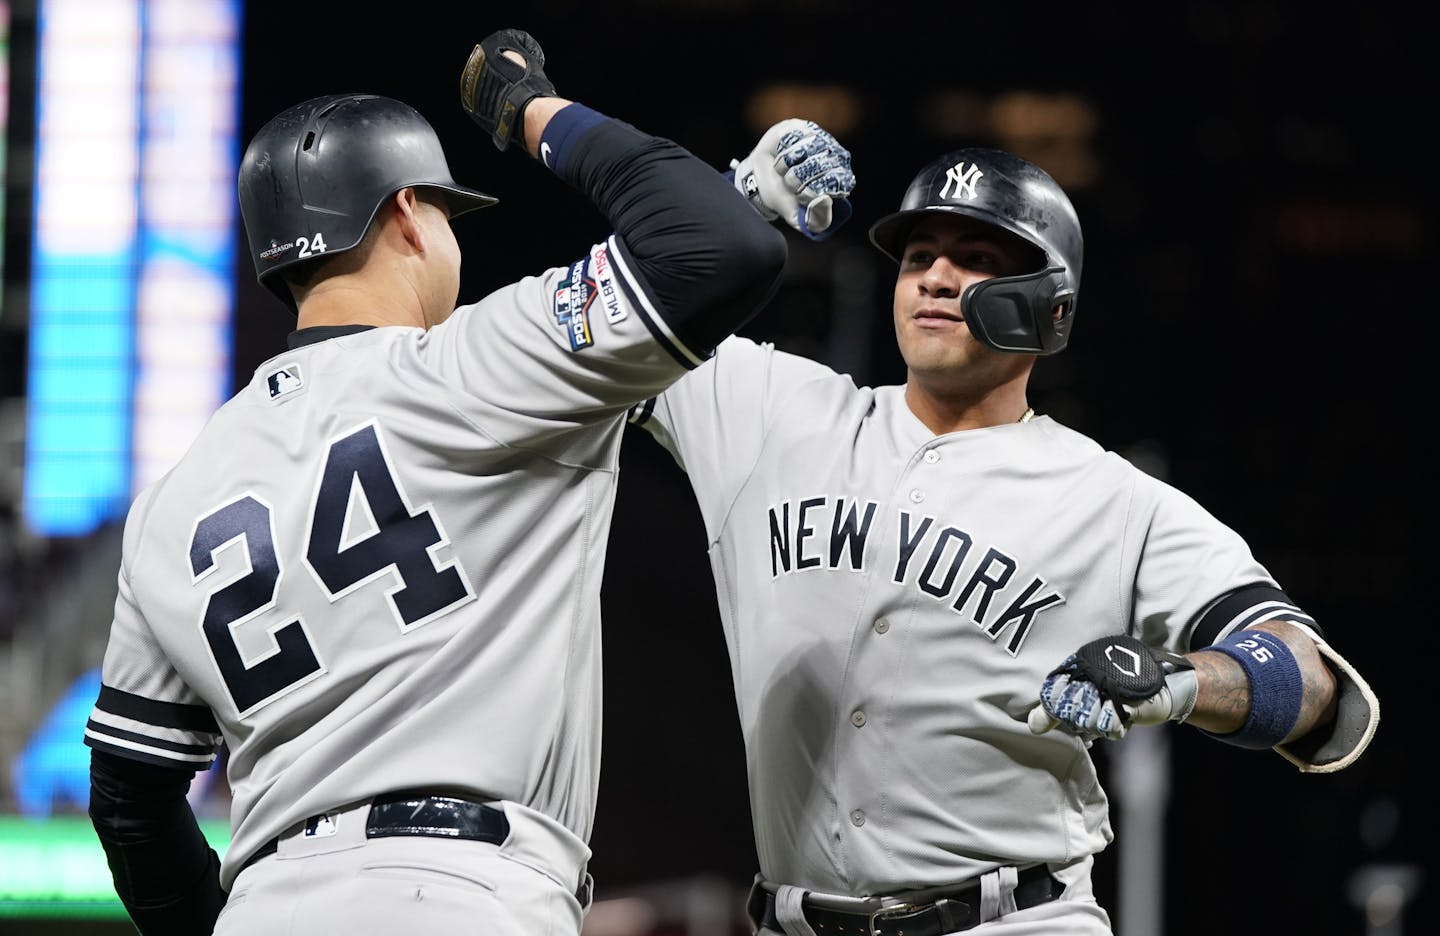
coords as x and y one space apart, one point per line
1029 414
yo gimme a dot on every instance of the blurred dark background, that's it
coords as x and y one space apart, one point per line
1259 209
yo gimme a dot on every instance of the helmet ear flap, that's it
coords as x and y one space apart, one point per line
1016 313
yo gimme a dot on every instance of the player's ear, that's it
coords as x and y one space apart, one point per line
404 206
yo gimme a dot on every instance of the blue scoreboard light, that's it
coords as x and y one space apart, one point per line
132 249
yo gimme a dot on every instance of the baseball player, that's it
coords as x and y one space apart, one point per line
375 575
935 600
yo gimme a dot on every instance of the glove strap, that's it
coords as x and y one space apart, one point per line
742 174
841 210
1184 688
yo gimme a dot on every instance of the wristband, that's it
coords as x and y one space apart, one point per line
1276 688
568 125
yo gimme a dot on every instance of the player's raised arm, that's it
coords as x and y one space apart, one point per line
797 172
704 258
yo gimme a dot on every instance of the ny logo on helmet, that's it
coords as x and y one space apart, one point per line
962 179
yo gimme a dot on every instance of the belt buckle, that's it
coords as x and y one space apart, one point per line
883 913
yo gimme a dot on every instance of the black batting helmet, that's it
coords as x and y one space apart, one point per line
1007 313
313 178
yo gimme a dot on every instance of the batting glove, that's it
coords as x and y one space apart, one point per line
495 88
801 173
1110 684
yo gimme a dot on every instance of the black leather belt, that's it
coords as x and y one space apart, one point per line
950 914
421 814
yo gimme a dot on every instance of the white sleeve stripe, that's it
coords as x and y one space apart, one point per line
641 412
148 732
1262 612
648 311
111 742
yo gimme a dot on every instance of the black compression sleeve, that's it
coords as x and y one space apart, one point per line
710 261
165 872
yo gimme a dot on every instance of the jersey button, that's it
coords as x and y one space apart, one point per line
916 496
857 718
857 817
882 625
931 456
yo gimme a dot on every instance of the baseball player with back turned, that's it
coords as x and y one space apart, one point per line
935 600
375 575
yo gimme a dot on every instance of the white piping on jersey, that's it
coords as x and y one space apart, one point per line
158 752
649 310
1265 611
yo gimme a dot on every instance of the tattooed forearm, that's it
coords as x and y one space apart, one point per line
1223 700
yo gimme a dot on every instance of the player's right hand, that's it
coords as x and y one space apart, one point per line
801 173
505 71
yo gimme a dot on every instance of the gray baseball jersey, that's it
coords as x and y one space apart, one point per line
892 601
378 567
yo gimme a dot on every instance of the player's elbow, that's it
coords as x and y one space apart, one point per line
751 254
756 256
747 277
773 252
721 281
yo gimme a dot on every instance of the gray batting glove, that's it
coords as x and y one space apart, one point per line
1110 684
799 172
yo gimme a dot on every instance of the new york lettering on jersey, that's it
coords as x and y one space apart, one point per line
926 554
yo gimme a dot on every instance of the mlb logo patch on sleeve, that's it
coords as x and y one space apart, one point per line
609 294
284 380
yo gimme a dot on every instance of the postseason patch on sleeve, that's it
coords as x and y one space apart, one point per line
575 297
